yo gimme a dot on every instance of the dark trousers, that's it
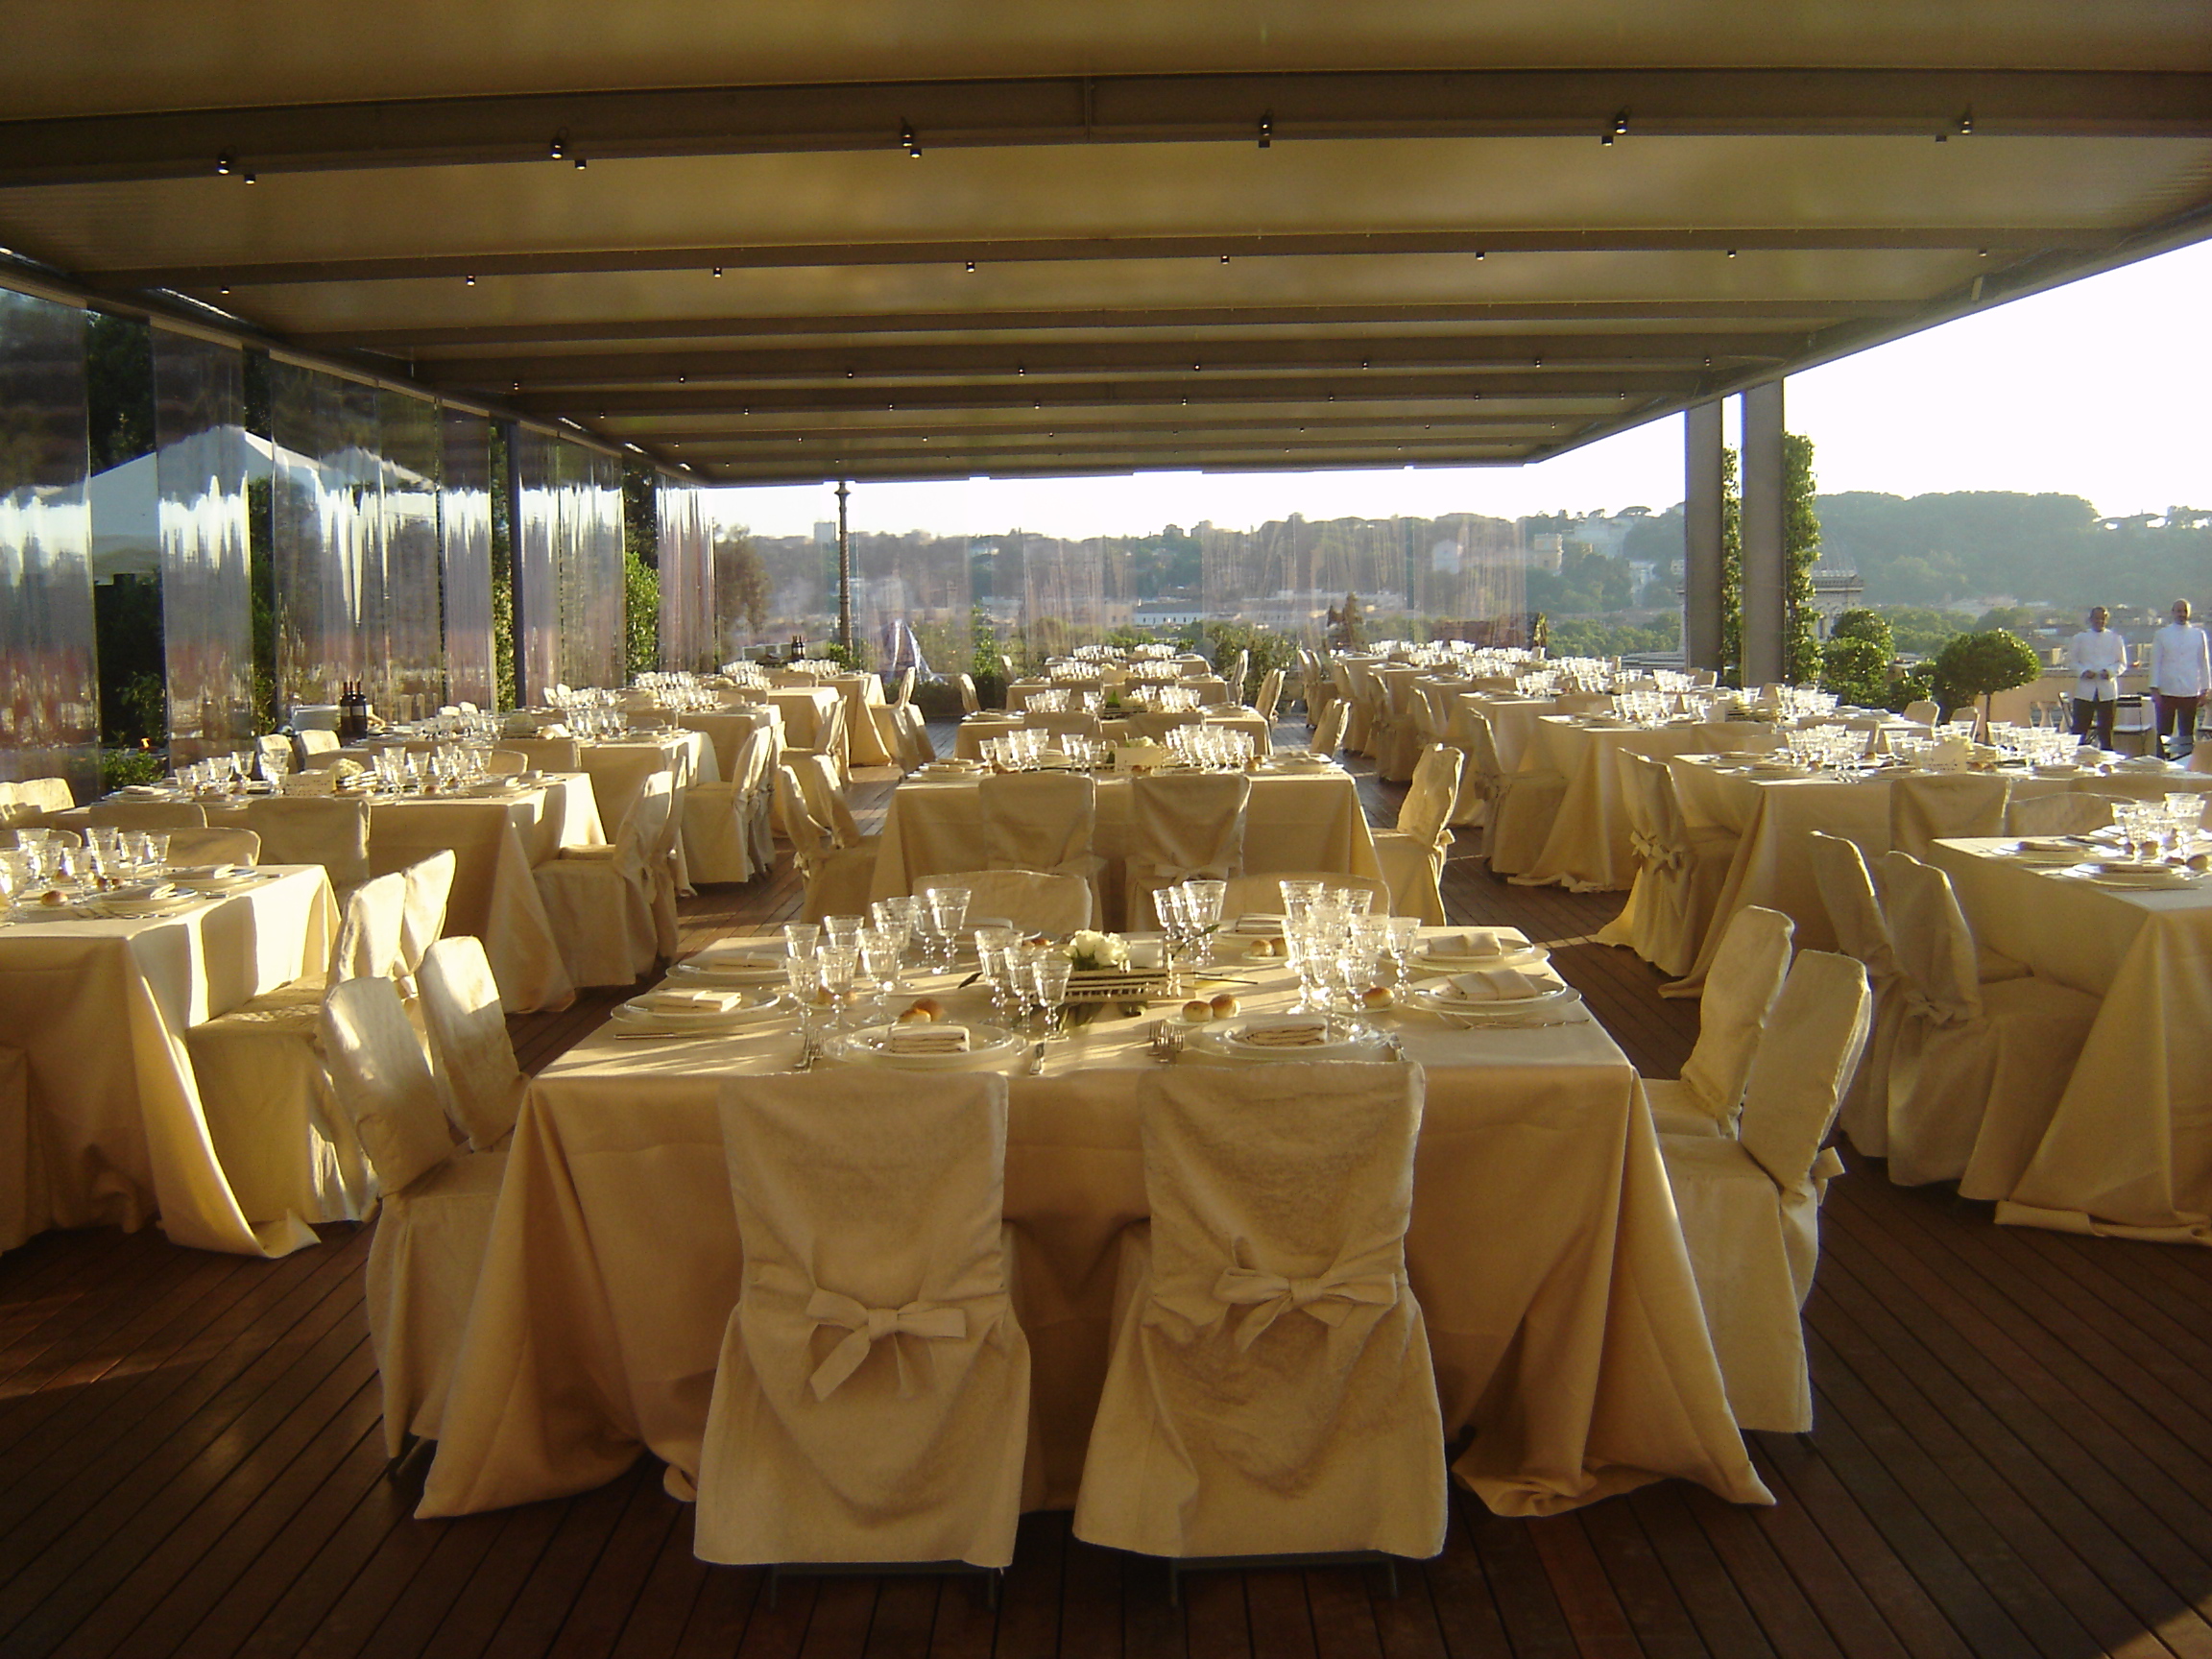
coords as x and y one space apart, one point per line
2178 719
2087 710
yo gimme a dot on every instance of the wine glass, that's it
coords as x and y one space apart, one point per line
837 964
946 908
1051 969
879 962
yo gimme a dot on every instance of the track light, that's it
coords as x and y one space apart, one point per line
1266 131
1620 122
251 177
1480 255
560 145
1731 253
910 143
224 163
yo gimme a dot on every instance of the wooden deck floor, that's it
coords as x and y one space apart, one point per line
2013 1457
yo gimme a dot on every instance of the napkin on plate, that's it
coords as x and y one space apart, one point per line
1498 985
674 1000
1268 922
1290 1034
927 1038
1477 941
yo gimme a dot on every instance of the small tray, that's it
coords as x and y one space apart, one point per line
1114 985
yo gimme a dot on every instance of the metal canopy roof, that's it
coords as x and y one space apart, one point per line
786 241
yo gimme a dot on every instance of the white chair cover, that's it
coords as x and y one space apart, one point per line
1977 1068
143 815
547 754
214 847
314 829
825 796
1031 901
1740 989
1394 739
1750 1208
1680 870
1183 824
1329 731
971 702
1270 1390
1925 810
728 830
429 888
469 1042
1270 694
1922 713
438 1204
1412 856
613 909
1039 821
872 1401
1855 915
839 880
1263 895
505 762
1520 806
2074 813
317 740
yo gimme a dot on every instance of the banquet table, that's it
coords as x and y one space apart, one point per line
805 711
2128 1151
1512 721
728 728
1561 1313
114 1133
619 768
1209 686
969 738
1312 822
863 739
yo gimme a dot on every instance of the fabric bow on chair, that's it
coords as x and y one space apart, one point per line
1657 854
1368 1279
869 1326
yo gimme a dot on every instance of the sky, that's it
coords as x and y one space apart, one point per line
2100 389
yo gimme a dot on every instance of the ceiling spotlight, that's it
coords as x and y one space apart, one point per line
1620 122
911 145
561 145
847 374
1224 258
1020 369
1605 139
1480 255
1539 362
1266 131
970 267
1731 253
580 163
224 163
468 281
1981 252
680 379
1966 124
717 270
1708 362
517 385
251 177
222 290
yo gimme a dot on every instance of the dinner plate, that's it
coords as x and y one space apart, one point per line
161 901
2147 877
1440 998
763 966
1521 957
989 1046
1231 1041
220 877
641 1013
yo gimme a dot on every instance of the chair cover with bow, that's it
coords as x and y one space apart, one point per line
1680 870
872 1401
437 1210
144 815
429 888
727 828
1412 856
1855 915
1270 1390
1922 713
1977 1068
1039 821
314 829
970 701
1393 737
613 909
1750 1208
838 878
1942 804
1329 729
1028 900
1519 807
1740 989
1270 694
1182 824
469 1042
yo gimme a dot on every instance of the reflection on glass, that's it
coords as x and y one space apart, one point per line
690 635
50 700
464 527
200 462
1062 594
567 543
1462 573
327 535
413 657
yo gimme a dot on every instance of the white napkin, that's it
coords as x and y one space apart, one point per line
676 1001
1299 1034
1267 921
927 1038
1479 941
1496 985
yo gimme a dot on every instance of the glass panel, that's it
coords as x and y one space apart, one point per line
200 462
567 564
464 527
326 534
537 597
691 637
50 707
414 623
1063 595
910 599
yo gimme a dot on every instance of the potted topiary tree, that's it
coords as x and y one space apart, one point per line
1981 665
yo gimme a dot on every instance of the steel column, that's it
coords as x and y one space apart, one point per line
1764 586
1702 535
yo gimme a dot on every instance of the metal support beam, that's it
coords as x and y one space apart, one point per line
1766 588
844 571
567 128
1701 528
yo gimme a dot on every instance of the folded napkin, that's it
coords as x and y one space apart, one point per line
1297 1034
1479 941
674 1000
927 1038
1269 922
2050 846
1496 985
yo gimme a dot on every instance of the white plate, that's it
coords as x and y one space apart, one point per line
755 969
988 1046
1226 1041
1438 1000
638 1015
207 881
1444 962
2151 879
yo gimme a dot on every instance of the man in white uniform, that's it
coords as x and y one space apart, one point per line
2180 675
2098 658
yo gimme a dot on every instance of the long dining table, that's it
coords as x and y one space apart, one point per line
1567 1339
112 1131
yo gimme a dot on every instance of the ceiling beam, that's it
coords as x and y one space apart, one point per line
1077 462
490 336
694 441
1726 241
1233 107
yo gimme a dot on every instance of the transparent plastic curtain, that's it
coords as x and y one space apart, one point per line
567 548
1410 578
1062 594
800 574
537 582
202 459
409 444
691 637
1471 582
465 544
911 600
49 702
327 535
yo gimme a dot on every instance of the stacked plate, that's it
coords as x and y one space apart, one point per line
147 899
1508 995
1488 948
2151 878
728 966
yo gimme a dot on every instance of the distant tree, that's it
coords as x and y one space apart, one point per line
1857 670
1868 625
743 590
1982 666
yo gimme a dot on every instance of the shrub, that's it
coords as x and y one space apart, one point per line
1857 670
1982 666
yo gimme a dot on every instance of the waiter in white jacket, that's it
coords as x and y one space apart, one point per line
2098 658
2180 676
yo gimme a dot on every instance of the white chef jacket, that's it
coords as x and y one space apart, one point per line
2181 661
2091 651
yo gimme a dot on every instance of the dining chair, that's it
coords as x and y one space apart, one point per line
318 748
613 908
1746 975
1940 804
1412 855
1270 695
970 701
429 890
505 762
1181 824
2076 812
839 880
471 1055
547 753
1329 732
871 1401
1977 1066
1517 806
314 829
1269 1391
438 1204
1039 821
728 828
1750 1207
145 815
1680 868
213 847
1030 900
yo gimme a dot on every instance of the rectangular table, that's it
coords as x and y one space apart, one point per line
2128 1151
1292 823
1562 1315
969 738
115 1135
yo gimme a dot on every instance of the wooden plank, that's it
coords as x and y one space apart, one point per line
1724 1620
1594 1613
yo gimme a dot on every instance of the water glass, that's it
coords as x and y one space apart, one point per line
1203 898
843 931
800 941
947 909
837 964
879 962
1049 968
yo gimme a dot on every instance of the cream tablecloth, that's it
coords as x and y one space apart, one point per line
116 1133
728 728
1561 1313
2129 1148
806 711
1512 721
969 739
1309 823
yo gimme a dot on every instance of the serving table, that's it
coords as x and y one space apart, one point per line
113 1133
1562 1315
2128 1151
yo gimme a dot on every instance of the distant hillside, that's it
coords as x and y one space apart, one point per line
2052 549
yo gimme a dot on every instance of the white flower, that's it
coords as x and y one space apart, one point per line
1094 951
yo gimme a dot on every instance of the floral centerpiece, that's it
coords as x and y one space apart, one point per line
1091 952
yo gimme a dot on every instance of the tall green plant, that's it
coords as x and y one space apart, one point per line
1982 666
640 615
1800 552
1731 571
